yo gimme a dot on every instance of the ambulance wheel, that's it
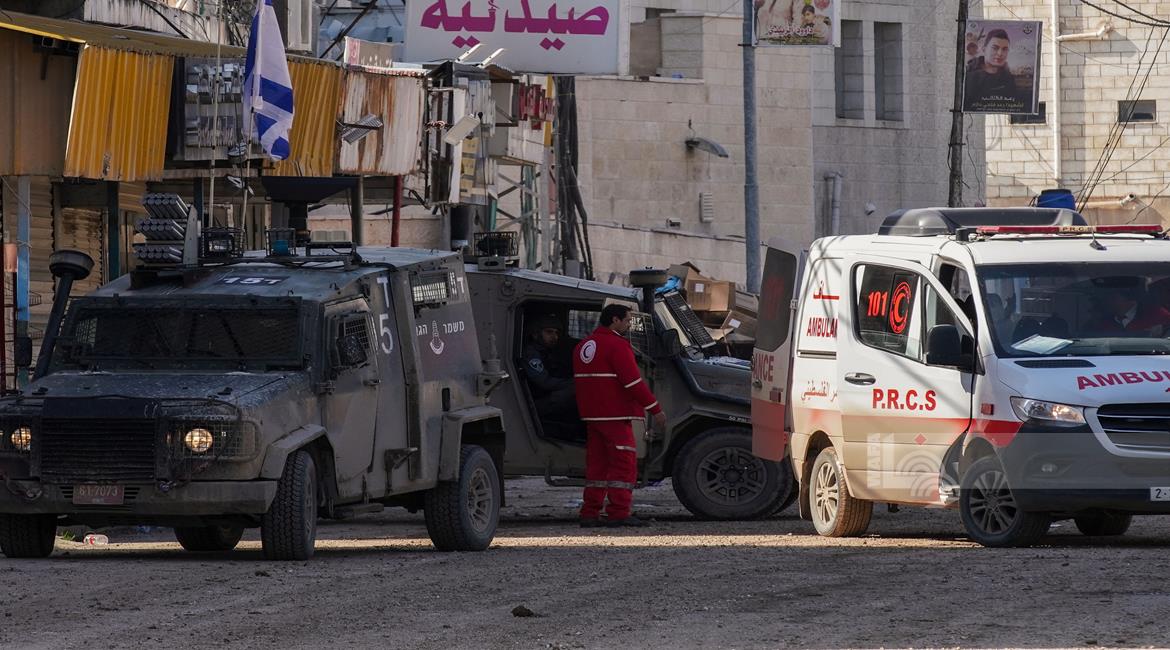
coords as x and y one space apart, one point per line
835 512
715 476
27 536
1103 523
989 510
288 531
462 515
208 539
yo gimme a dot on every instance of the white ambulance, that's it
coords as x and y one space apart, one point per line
1014 363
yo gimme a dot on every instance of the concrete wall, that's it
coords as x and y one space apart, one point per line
1094 75
638 178
892 163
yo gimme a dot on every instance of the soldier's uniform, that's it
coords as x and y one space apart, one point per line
610 394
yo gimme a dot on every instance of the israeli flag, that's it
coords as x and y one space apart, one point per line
268 95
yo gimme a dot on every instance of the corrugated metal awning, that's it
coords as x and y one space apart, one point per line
317 92
393 149
118 129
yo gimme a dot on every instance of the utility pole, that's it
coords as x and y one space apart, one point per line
955 199
751 188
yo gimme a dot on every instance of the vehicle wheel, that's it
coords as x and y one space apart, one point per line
1103 523
715 476
288 531
27 536
462 515
989 509
835 512
793 493
209 539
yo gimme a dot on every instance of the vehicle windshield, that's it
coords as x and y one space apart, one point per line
1078 309
108 337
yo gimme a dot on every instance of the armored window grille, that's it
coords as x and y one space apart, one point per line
359 327
430 290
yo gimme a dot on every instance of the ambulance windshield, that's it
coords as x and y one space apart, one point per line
1078 309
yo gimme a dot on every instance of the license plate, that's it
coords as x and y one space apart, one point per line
1160 494
99 495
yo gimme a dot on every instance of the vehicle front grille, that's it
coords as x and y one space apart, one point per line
105 450
1137 427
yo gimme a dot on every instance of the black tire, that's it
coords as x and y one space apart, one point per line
715 476
288 531
793 493
1103 523
989 509
835 511
462 515
28 536
209 539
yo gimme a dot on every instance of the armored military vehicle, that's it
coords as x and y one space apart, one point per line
263 390
706 447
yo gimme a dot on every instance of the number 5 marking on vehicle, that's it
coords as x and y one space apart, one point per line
386 335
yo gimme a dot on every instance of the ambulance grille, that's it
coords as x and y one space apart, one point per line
1137 427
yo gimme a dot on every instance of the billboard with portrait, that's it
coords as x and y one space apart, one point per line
798 22
1003 64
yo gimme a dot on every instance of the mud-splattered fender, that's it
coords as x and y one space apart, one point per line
278 451
454 424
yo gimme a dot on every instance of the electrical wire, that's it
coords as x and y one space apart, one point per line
1116 133
1127 19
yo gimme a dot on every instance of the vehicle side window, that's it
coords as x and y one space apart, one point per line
884 306
958 284
936 312
353 342
776 299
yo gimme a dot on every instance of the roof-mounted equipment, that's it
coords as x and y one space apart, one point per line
494 251
930 222
171 232
1125 229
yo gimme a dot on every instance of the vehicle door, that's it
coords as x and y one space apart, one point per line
350 404
900 414
391 445
772 357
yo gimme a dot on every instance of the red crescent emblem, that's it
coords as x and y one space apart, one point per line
900 308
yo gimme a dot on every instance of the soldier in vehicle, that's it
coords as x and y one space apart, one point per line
548 366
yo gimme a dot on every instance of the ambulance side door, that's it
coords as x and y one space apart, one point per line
772 356
899 413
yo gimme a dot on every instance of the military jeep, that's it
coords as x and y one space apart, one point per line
263 390
706 448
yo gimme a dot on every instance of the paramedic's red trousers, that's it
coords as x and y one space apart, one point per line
611 469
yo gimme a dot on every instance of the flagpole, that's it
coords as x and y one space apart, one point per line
210 211
253 94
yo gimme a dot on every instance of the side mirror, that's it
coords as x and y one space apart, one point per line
22 350
943 346
350 351
671 343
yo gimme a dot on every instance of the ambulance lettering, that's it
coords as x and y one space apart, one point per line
822 327
893 399
762 364
1122 379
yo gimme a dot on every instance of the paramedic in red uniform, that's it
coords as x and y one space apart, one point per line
610 395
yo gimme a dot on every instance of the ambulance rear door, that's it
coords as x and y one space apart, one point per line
901 408
772 357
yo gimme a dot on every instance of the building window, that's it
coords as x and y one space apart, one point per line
1142 110
849 72
887 70
1039 117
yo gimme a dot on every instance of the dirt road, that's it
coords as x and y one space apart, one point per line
376 583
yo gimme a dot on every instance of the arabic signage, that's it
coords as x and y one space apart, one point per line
798 22
1002 59
548 36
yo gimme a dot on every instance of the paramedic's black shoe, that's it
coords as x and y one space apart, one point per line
628 522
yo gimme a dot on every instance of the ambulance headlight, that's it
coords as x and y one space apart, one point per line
1034 409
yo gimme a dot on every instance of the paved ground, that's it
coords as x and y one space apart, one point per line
914 581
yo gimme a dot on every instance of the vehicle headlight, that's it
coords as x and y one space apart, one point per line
21 439
198 440
1034 409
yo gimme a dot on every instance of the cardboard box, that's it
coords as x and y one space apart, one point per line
740 323
683 271
705 294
